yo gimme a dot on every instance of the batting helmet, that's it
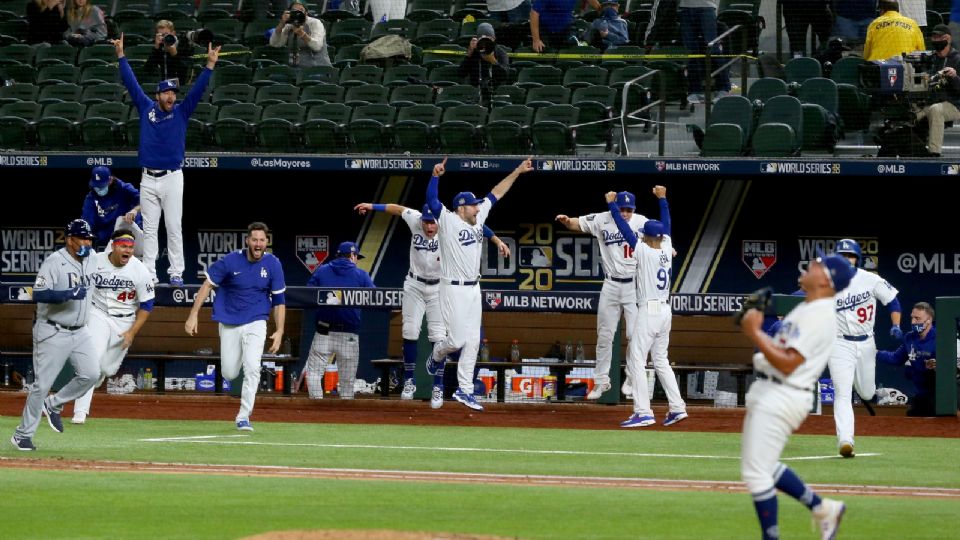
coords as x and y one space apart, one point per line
78 228
850 247
625 199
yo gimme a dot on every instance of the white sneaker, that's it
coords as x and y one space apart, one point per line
79 418
627 387
695 99
890 396
436 397
827 517
598 391
408 389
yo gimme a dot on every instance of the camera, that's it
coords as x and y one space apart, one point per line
170 40
485 45
297 17
201 36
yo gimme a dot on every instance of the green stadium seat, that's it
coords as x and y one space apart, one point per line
278 74
99 74
468 30
780 128
56 93
414 94
427 10
436 32
99 128
137 31
446 76
277 129
226 31
536 76
366 94
266 55
277 93
232 93
57 127
595 103
462 8
401 75
348 55
730 128
369 128
19 53
349 32
570 63
579 77
544 96
200 125
460 94
324 131
551 130
58 74
461 131
100 54
57 54
16 123
233 128
318 75
507 132
847 70
136 52
509 94
15 30
100 93
234 53
802 68
254 34
404 28
435 60
414 130
764 89
361 75
234 74
320 94
18 92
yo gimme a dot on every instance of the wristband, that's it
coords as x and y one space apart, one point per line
380 208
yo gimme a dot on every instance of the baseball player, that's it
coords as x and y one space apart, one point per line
787 368
122 301
461 246
163 137
112 204
249 282
421 288
853 360
651 333
618 294
60 333
337 329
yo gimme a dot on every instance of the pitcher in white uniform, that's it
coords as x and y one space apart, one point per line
122 301
788 366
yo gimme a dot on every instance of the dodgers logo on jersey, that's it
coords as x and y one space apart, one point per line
468 237
494 299
422 243
612 238
263 272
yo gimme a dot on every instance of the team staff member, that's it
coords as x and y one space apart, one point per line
60 333
337 329
892 34
248 283
112 204
946 106
919 353
788 366
163 138
122 301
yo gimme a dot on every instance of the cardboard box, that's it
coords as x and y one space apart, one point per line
205 383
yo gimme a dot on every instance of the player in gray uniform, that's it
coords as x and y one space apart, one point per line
60 333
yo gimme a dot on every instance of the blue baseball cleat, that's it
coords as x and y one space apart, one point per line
638 421
244 425
674 417
467 399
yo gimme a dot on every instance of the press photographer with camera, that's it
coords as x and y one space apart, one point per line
171 57
944 87
486 63
303 35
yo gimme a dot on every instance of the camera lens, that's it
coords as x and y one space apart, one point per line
169 40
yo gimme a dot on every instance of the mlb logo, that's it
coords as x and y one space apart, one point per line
768 167
759 256
546 165
494 299
661 166
312 250
536 256
21 294
951 170
327 297
892 76
353 164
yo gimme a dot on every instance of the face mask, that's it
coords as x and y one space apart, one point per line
918 327
84 251
939 45
101 191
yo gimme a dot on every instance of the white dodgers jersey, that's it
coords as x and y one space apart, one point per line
857 304
461 244
424 252
810 329
615 253
118 291
653 270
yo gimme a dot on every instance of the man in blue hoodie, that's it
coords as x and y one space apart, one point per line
608 31
337 328
918 353
112 204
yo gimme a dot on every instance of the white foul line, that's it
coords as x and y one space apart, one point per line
210 439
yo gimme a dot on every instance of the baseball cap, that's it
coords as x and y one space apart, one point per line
625 199
168 85
465 198
838 268
99 177
347 248
940 29
652 228
78 228
426 214
486 29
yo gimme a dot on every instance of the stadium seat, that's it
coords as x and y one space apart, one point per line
320 94
595 103
460 94
131 13
208 14
99 128
507 132
231 94
16 123
764 89
100 93
278 74
56 93
99 74
509 94
348 55
436 32
360 75
548 95
318 75
225 75
474 8
730 128
780 128
57 54
14 31
18 92
234 124
460 132
415 94
435 60
225 31
254 34
446 76
349 32
136 52
394 27
266 55
427 10
235 53
614 63
551 130
324 129
58 74
58 124
414 129
401 75
366 94
532 77
276 93
369 128
199 126
802 68
570 63
137 31
97 55
277 129
847 70
585 76
20 53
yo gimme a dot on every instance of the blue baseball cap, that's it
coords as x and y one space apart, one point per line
348 248
78 228
838 268
625 199
100 177
652 228
465 198
426 214
168 85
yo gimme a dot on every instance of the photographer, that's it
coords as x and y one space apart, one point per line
486 63
945 88
171 55
303 35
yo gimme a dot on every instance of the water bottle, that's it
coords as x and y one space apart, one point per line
293 381
29 377
148 379
6 373
140 379
484 351
515 351
568 352
580 355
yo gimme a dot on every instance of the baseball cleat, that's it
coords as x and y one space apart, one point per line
79 419
436 397
828 516
176 280
846 449
24 444
53 417
598 391
408 389
638 421
467 399
674 417
244 425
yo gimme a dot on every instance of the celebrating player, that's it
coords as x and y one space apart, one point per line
123 299
460 249
60 332
248 283
853 361
654 259
788 366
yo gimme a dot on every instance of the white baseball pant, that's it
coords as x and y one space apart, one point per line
347 348
774 411
615 298
162 194
420 299
108 348
242 345
651 335
461 311
853 365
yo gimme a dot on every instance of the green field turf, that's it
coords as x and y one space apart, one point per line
62 504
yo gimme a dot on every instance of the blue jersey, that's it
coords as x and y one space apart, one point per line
163 135
245 289
102 212
340 272
915 351
555 15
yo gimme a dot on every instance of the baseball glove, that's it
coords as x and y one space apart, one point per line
760 299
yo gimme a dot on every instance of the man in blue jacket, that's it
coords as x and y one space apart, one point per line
163 139
112 204
918 353
337 329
